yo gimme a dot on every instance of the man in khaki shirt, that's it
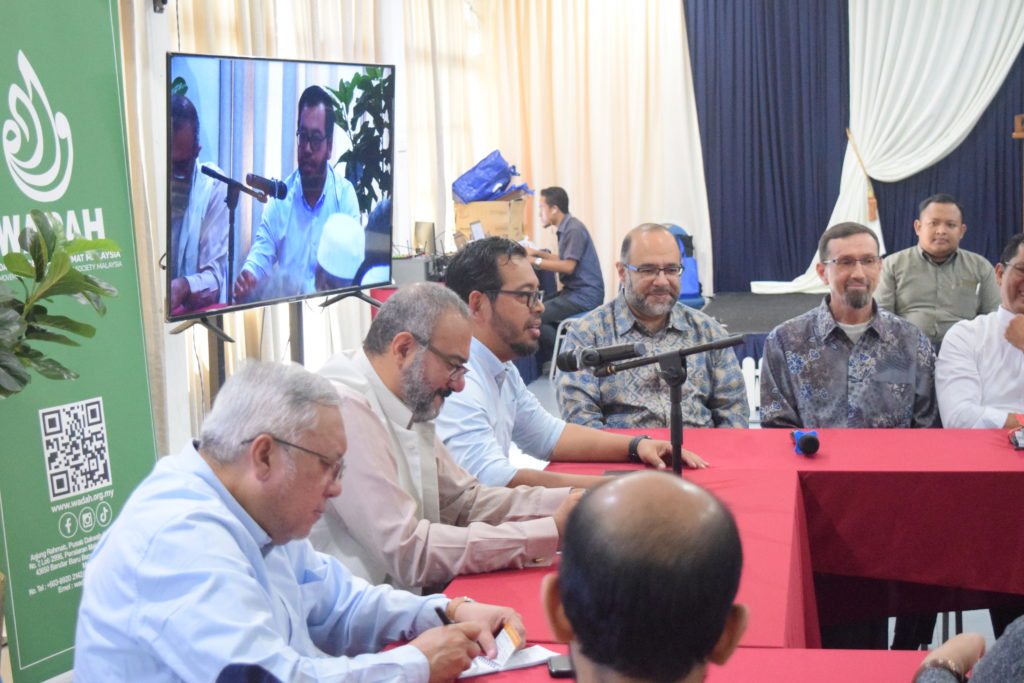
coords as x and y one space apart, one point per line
410 515
936 284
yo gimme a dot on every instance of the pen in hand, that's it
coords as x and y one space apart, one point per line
445 621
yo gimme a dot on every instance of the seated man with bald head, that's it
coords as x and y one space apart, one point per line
623 571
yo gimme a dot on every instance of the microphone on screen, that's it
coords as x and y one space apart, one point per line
590 357
806 441
272 186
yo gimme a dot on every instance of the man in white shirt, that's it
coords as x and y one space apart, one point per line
979 375
206 572
410 515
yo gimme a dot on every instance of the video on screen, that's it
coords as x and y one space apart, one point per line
279 181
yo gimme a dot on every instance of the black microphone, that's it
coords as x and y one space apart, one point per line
606 370
260 195
590 357
806 442
273 187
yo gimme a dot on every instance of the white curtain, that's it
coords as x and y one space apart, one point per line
921 74
579 93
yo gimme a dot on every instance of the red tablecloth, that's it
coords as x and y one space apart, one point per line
766 665
926 506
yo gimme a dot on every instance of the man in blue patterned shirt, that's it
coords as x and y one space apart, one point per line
848 363
647 311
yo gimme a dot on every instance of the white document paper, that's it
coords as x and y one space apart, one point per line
520 659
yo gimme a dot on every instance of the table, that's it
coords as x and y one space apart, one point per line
871 504
778 664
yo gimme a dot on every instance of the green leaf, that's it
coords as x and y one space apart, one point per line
19 265
48 225
13 377
62 322
80 246
6 294
101 286
51 369
38 333
12 327
58 269
94 300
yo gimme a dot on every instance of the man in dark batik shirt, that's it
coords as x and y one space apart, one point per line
848 363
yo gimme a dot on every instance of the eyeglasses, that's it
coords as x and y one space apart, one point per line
458 369
1017 267
335 467
314 140
674 270
531 298
849 263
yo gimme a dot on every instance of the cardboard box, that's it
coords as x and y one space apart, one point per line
500 218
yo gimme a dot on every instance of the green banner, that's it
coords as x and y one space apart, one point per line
72 450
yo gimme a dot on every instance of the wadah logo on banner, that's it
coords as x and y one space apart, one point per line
37 143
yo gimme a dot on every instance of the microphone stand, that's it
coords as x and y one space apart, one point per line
234 189
672 366
673 371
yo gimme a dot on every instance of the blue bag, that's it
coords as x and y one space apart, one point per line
489 179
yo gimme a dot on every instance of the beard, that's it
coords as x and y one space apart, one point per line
417 395
521 348
639 304
857 298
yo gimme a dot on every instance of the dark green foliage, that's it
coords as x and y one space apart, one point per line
44 270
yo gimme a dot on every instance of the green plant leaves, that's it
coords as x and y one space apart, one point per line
45 270
81 246
19 265
12 328
13 377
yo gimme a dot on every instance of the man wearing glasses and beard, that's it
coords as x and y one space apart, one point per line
647 311
411 516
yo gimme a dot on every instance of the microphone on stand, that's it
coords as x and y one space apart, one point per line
591 357
272 186
606 370
806 441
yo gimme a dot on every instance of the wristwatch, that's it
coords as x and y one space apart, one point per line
536 262
634 453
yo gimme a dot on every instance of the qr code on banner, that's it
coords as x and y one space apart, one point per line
75 447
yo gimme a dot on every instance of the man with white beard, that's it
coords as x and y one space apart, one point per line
647 311
848 363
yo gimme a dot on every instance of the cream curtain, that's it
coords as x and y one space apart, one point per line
583 94
903 53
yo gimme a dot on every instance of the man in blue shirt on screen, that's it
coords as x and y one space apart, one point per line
289 234
207 574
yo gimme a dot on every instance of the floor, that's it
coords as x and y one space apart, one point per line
974 620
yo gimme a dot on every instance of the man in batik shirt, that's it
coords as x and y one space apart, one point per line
648 311
848 363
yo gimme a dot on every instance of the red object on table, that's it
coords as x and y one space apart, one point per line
876 504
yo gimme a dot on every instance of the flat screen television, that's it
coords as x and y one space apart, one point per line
279 179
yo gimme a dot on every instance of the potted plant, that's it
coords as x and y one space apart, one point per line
44 270
364 118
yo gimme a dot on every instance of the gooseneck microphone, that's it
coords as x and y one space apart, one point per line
272 186
591 357
806 442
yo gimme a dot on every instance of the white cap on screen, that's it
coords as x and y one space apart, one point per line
342 246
